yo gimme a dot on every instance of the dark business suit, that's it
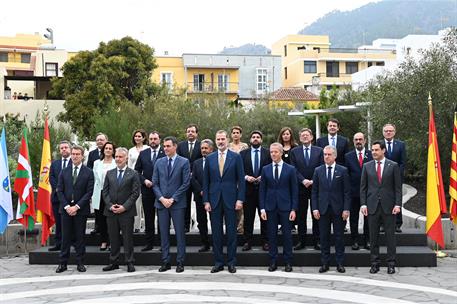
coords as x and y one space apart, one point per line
305 170
222 192
93 156
278 198
252 194
145 167
380 199
54 171
183 150
398 155
74 227
331 199
342 147
174 185
197 186
355 172
124 192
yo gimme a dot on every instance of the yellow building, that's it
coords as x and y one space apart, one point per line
309 60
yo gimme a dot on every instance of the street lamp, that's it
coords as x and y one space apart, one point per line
50 35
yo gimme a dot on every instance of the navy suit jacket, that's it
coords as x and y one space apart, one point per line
183 150
54 171
297 159
337 194
342 147
279 195
93 156
197 180
354 169
173 186
145 168
230 187
398 155
79 193
265 159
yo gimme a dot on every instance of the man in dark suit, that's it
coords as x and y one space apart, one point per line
120 192
341 143
305 158
206 148
145 167
74 190
56 167
171 180
381 200
190 149
331 202
254 159
354 161
223 193
279 202
396 151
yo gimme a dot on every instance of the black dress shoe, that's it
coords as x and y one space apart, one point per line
231 269
204 248
136 230
55 248
374 269
266 247
103 248
165 267
355 246
317 246
110 267
61 268
390 269
272 267
216 269
299 246
246 247
147 248
367 246
81 268
179 268
187 230
324 268
130 267
340 269
397 229
288 267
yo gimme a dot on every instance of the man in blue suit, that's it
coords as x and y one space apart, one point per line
305 158
171 180
341 143
396 151
223 193
56 167
74 189
331 202
145 167
354 161
278 196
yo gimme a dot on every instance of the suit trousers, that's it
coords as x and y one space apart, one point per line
304 200
374 221
354 222
187 218
281 217
58 224
100 221
124 224
73 231
325 222
250 206
177 216
216 216
202 220
149 218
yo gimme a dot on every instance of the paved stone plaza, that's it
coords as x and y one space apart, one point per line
24 283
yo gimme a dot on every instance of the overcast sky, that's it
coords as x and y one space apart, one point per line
176 26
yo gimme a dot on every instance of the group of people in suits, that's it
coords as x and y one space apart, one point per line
279 184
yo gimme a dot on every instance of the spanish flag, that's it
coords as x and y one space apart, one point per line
44 207
436 204
453 181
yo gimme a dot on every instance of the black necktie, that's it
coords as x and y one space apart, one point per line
191 149
329 175
169 166
75 174
119 177
256 162
307 155
276 172
154 157
64 163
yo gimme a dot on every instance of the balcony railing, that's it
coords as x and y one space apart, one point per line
212 87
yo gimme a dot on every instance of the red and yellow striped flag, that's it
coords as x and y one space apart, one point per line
43 204
436 201
453 181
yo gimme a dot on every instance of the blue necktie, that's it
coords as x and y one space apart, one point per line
307 155
119 177
329 175
389 148
256 162
333 141
169 166
154 157
276 172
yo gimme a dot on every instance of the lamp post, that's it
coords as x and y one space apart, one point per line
49 35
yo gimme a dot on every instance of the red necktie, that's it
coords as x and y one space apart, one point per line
360 159
378 171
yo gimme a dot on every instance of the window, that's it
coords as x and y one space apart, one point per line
3 57
285 50
223 82
285 73
380 63
199 82
166 78
333 69
51 69
352 67
262 78
310 67
25 58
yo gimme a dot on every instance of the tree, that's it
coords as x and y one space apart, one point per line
96 82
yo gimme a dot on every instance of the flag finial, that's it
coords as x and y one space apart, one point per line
429 99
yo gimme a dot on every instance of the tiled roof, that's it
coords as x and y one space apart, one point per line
293 94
